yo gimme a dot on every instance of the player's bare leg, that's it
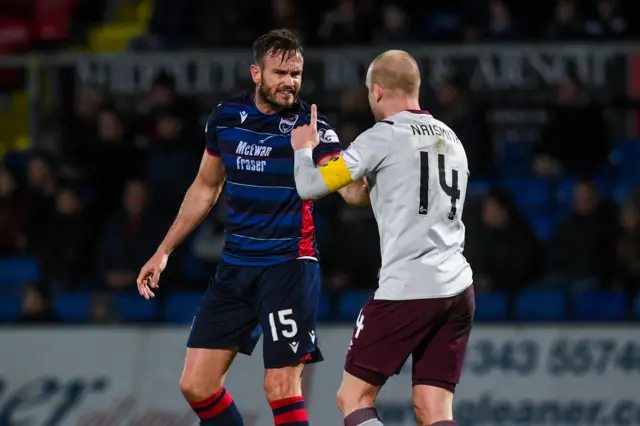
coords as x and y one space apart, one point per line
433 405
356 399
283 389
202 384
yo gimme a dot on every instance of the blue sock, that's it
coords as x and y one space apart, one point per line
219 410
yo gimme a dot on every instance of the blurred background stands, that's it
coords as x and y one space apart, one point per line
98 150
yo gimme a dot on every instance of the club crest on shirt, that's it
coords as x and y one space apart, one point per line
287 123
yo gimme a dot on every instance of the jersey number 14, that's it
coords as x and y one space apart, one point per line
452 191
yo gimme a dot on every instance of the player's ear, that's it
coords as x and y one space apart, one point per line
256 73
378 92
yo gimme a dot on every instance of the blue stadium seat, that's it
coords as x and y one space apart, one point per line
134 307
73 307
18 271
515 157
601 306
621 191
534 192
544 222
541 305
182 307
351 303
478 187
491 306
9 307
626 156
636 307
325 308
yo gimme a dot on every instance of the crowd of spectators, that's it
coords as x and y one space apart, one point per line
215 23
95 210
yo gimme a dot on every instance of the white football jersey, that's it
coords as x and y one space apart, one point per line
417 173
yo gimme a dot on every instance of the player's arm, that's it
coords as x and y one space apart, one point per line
201 196
355 193
363 156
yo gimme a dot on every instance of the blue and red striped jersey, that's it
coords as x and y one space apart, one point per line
267 222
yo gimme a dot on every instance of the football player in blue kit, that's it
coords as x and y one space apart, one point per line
269 274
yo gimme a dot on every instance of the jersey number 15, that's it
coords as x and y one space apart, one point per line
452 191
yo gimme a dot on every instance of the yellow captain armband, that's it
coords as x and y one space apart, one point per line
335 173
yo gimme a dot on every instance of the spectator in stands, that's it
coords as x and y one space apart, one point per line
351 255
41 189
345 25
62 247
82 125
284 15
13 215
173 26
130 237
103 310
575 139
36 306
567 24
111 147
171 161
502 249
580 251
395 26
609 22
501 25
163 96
627 263
456 109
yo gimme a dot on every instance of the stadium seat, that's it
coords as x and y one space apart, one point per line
491 306
19 271
534 192
544 222
182 307
9 307
325 308
515 158
351 303
135 308
478 187
601 306
73 307
636 307
626 157
541 305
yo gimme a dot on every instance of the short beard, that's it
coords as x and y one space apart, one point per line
267 99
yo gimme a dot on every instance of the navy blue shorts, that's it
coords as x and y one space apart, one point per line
280 299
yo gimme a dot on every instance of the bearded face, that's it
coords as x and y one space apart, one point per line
278 79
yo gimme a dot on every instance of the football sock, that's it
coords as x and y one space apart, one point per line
367 416
218 410
290 412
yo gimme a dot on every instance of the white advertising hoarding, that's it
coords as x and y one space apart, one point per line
513 375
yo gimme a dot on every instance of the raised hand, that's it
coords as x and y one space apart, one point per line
306 136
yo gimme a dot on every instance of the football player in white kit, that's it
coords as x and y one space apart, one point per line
417 173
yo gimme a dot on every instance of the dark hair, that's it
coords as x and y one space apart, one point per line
276 42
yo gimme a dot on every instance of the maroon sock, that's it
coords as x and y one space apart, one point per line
360 416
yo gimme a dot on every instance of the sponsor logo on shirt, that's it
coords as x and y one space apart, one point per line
351 156
328 136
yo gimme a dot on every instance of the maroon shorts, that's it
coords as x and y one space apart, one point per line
434 332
